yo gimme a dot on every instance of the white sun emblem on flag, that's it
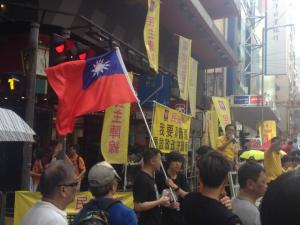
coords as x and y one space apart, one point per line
99 67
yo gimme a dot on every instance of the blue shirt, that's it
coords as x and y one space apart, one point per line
119 214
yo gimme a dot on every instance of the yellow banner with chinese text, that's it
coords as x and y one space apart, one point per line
221 105
193 85
213 128
183 66
170 129
268 131
25 200
115 131
151 33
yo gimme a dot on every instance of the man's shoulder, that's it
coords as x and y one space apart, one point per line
222 138
191 199
211 210
142 176
240 204
121 214
193 195
246 211
41 215
119 207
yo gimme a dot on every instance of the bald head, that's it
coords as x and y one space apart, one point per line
57 173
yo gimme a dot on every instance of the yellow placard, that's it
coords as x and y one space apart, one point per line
183 66
170 129
223 111
25 200
213 128
151 33
115 131
192 86
269 131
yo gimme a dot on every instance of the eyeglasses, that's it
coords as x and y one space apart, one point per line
74 184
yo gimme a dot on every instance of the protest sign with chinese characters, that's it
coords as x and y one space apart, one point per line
115 131
223 111
170 129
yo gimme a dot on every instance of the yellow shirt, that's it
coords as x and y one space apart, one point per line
272 163
231 150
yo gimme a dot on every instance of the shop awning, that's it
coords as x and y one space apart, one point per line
14 128
221 8
251 116
191 20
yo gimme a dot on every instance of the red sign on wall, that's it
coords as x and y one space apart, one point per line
255 100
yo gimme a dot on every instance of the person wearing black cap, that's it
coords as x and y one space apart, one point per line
103 182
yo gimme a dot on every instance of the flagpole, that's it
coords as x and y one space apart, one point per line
142 112
154 145
125 178
150 134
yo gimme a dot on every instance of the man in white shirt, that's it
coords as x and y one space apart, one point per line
253 185
58 187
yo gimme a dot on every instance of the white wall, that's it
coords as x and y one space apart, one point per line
278 38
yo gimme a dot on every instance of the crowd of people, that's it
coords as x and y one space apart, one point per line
44 156
268 195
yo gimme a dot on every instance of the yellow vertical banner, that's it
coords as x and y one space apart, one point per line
205 136
213 128
183 66
193 85
115 133
268 131
170 129
151 33
221 105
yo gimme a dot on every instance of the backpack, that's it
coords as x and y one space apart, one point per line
97 215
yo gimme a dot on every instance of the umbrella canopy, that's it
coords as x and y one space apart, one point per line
14 128
256 154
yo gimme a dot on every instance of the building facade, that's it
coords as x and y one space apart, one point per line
101 26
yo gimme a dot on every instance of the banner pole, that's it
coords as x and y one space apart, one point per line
152 140
151 137
125 178
143 115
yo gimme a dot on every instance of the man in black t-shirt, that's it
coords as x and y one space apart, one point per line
205 208
145 194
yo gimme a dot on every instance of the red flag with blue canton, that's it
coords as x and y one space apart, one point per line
87 86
